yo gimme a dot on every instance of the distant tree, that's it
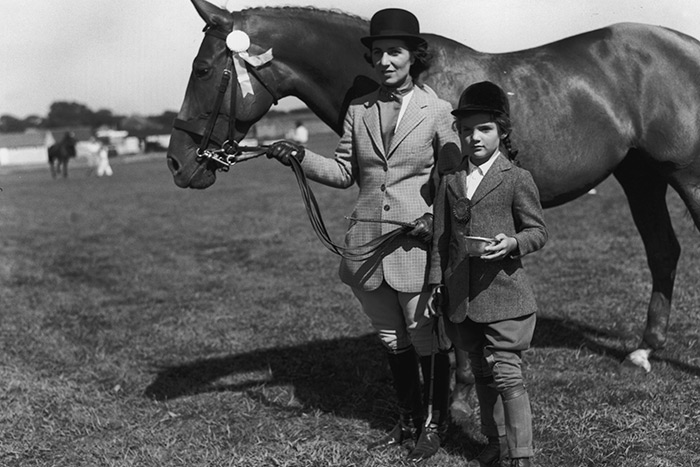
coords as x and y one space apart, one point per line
104 117
165 119
10 124
34 121
66 114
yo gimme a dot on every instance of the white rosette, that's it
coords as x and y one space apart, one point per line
238 42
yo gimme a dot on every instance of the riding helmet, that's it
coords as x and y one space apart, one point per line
483 97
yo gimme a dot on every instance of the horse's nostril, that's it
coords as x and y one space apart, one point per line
173 164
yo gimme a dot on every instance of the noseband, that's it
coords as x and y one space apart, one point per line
229 152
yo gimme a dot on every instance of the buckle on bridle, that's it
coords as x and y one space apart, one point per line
230 154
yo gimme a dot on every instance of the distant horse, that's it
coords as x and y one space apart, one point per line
60 153
622 100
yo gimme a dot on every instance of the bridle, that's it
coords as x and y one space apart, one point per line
229 152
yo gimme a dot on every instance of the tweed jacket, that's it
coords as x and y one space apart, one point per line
397 185
506 201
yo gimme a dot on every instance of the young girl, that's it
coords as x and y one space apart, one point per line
488 302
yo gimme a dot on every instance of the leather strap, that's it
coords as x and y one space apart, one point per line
358 253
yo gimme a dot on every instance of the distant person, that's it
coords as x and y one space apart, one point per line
92 149
103 167
300 134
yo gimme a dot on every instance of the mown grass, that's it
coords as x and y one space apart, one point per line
145 325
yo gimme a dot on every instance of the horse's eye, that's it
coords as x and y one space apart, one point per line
201 72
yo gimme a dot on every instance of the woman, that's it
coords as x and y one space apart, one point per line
488 301
389 148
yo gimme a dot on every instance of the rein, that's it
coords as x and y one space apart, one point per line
230 153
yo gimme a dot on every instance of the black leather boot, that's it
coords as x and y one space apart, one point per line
495 454
404 370
432 434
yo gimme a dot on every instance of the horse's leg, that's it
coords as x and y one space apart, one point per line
460 408
65 168
646 188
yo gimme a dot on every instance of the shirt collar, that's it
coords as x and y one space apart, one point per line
483 168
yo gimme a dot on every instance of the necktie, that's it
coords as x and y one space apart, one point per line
389 108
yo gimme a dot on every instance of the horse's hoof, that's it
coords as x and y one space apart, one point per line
639 359
460 408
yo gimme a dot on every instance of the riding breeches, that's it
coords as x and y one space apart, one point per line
398 318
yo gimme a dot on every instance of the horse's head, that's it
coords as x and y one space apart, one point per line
230 88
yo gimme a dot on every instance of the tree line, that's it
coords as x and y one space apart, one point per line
64 114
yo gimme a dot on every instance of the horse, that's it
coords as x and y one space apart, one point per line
60 153
623 100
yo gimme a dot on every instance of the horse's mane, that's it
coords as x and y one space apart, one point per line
305 9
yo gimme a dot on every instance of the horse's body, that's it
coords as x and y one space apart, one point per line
622 100
60 153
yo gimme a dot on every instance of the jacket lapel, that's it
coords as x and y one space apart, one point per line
372 123
492 179
411 118
457 181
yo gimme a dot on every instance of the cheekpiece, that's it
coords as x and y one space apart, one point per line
462 210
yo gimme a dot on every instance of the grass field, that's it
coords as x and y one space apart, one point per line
145 325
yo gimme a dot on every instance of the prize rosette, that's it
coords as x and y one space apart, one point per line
462 210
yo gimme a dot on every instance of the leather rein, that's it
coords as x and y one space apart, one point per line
230 153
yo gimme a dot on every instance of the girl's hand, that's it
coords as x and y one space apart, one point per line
505 245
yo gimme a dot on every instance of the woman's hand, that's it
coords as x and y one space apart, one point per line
504 246
283 150
423 228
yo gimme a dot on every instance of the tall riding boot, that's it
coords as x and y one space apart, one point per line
406 379
460 407
436 372
492 425
518 417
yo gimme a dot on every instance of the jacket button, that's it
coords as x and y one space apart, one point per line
385 168
387 207
383 187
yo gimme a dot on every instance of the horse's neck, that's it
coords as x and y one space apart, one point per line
317 55
319 59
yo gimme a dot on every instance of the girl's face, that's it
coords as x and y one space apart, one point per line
479 135
392 61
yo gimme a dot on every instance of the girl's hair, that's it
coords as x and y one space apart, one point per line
422 56
505 127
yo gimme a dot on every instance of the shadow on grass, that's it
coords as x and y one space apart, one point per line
346 376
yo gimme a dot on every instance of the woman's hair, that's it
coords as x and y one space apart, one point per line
422 56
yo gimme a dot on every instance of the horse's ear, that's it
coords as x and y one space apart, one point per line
213 15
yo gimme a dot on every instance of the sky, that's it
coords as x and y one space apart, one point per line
134 56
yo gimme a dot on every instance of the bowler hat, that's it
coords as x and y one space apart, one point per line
393 23
483 97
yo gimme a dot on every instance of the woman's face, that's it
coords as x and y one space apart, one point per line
392 61
479 135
